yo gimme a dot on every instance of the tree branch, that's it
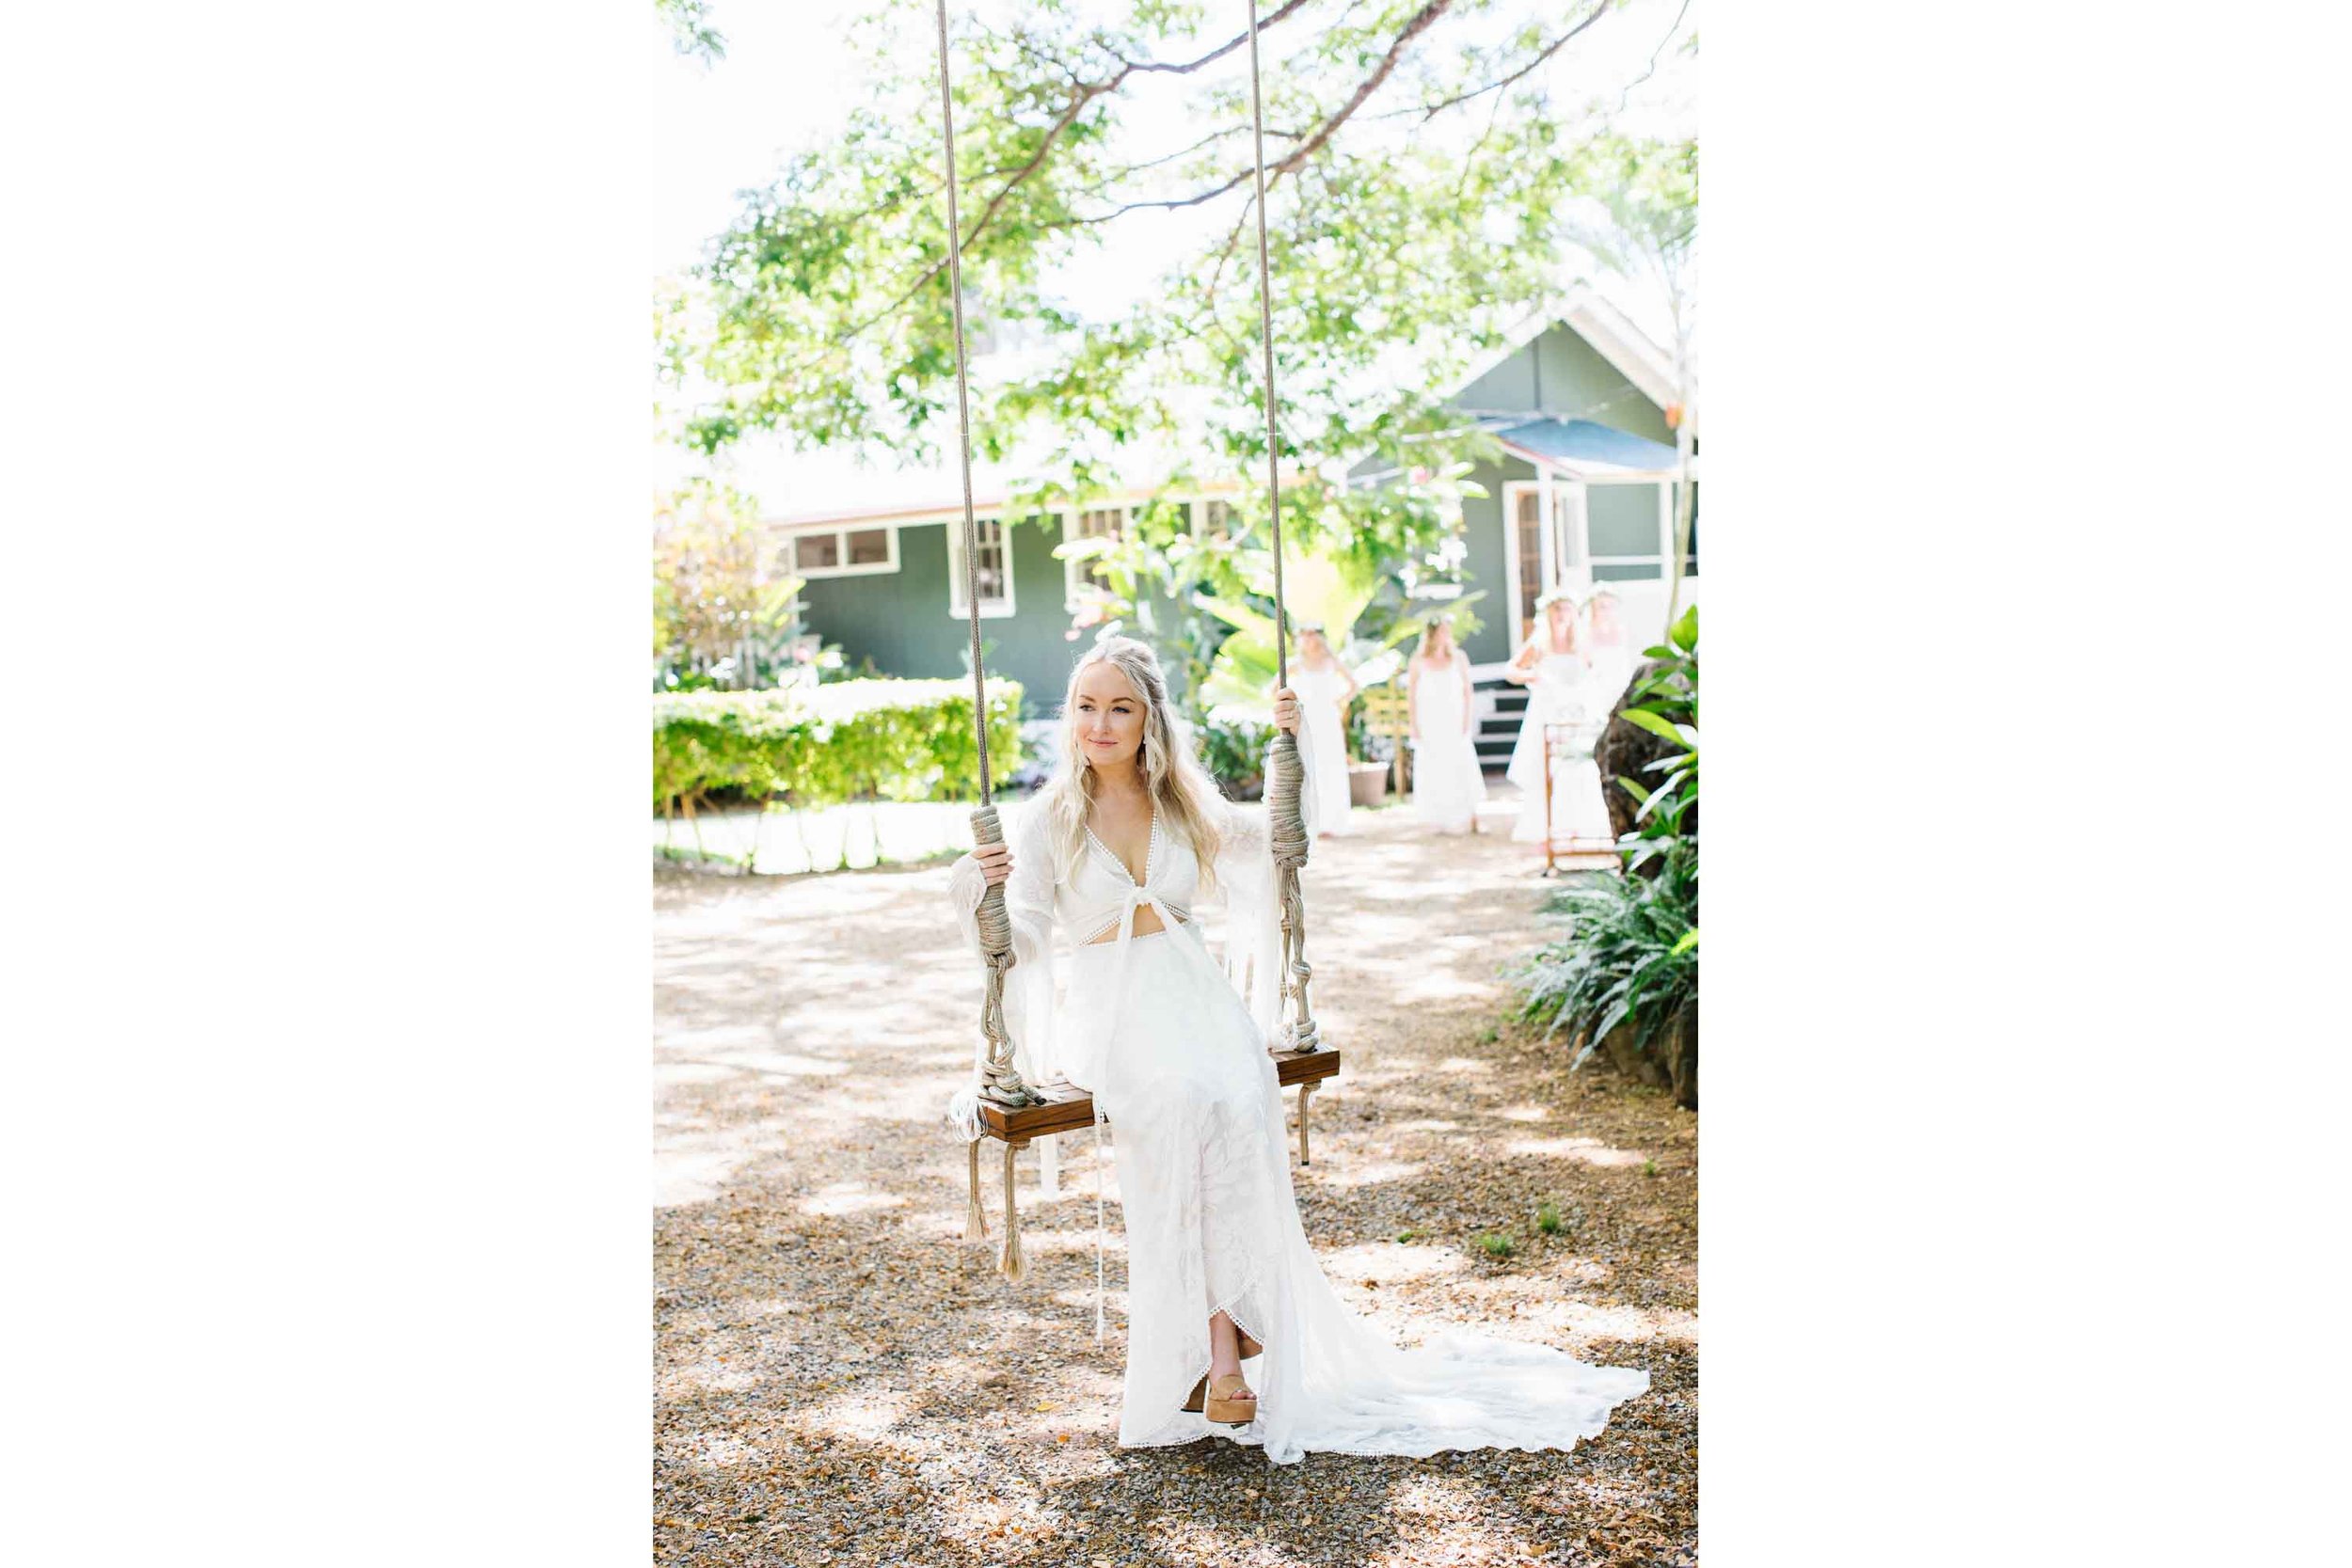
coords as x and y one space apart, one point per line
1625 96
1132 169
1413 29
1090 91
1432 111
1217 54
1322 134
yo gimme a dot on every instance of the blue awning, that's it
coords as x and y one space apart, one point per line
1583 443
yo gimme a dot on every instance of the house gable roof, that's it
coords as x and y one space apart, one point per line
1612 334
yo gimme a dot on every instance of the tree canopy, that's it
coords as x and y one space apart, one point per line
1421 166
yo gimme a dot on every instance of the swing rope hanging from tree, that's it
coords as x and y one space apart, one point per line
1012 1111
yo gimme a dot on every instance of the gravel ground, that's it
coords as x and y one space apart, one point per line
837 1379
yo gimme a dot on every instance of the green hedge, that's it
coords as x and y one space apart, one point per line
851 740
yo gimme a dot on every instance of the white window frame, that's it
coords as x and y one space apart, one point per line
990 609
1075 587
841 532
1567 507
1656 562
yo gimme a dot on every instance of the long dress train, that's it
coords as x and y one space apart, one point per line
1174 1046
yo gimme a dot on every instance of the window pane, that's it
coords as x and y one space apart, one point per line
817 551
869 546
1624 520
991 537
990 531
1531 551
1108 523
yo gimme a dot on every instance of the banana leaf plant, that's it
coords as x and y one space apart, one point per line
1320 589
1666 704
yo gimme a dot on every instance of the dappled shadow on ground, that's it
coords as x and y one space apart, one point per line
839 1380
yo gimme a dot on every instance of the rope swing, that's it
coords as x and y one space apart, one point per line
1011 1109
1285 776
1000 1081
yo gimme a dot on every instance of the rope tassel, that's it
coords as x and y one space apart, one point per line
1011 1265
974 1217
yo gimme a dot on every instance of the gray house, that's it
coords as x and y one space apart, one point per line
1583 494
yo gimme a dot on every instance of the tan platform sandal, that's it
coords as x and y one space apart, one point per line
1249 1348
1224 1407
1230 1402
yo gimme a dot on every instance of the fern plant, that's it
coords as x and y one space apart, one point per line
1631 953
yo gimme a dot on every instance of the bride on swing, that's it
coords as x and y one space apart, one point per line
1114 854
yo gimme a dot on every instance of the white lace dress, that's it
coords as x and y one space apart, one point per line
1173 1043
1447 785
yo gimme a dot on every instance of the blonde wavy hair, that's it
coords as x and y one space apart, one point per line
1182 793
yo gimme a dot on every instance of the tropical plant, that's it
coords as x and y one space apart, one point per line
1234 754
1629 957
1334 592
1630 954
1665 702
1186 593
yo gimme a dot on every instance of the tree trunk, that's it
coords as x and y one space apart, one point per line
1680 1048
1670 1062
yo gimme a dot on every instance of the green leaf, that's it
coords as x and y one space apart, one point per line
1684 633
1663 728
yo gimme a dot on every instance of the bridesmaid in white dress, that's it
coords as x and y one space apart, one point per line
1114 856
1324 688
1447 785
1560 690
1612 666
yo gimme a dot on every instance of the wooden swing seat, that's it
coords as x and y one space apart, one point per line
1071 1109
